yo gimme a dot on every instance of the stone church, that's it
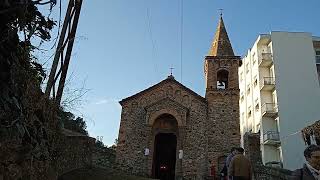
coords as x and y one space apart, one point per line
168 131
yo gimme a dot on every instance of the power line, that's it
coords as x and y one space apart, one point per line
153 42
181 39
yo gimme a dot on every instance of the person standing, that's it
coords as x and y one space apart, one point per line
240 167
311 169
224 171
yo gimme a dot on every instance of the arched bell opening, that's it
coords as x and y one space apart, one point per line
222 79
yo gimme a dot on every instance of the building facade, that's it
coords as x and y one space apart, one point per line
169 130
280 94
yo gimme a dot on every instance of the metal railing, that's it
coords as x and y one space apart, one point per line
267 81
269 108
265 57
271 135
317 59
276 164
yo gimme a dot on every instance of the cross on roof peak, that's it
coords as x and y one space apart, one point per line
221 12
171 69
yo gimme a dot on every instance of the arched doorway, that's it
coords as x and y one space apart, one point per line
165 147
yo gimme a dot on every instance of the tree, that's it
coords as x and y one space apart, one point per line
70 122
26 125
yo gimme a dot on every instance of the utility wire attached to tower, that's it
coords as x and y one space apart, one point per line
181 39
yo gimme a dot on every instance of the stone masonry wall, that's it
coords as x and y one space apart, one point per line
103 157
223 123
135 132
132 139
222 127
76 152
195 145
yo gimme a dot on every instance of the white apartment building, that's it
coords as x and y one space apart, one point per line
280 94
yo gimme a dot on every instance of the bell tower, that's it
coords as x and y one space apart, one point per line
222 95
221 65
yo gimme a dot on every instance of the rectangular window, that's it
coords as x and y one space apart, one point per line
242 118
257 107
247 67
255 82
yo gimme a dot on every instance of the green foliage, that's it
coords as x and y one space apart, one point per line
24 18
70 122
27 125
99 144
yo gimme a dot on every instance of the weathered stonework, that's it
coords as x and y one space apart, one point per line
205 127
103 157
75 151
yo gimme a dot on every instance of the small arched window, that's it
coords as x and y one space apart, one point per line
222 79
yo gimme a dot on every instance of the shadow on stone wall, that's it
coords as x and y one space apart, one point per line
75 151
103 157
97 173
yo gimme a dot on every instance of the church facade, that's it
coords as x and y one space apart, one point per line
169 131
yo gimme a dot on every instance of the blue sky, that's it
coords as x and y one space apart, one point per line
125 46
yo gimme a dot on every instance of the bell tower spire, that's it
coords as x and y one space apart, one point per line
221 65
221 45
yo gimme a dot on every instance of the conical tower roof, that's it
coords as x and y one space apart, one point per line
221 45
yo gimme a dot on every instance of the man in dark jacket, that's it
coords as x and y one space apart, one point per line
311 169
240 167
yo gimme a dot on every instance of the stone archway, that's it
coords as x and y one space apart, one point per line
165 132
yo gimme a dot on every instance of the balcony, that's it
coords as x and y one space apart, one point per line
275 164
269 110
267 83
271 138
317 59
265 60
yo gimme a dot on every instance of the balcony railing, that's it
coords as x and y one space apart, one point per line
265 60
317 59
275 164
269 110
267 83
271 138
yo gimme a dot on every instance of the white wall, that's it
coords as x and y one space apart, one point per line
271 154
297 89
